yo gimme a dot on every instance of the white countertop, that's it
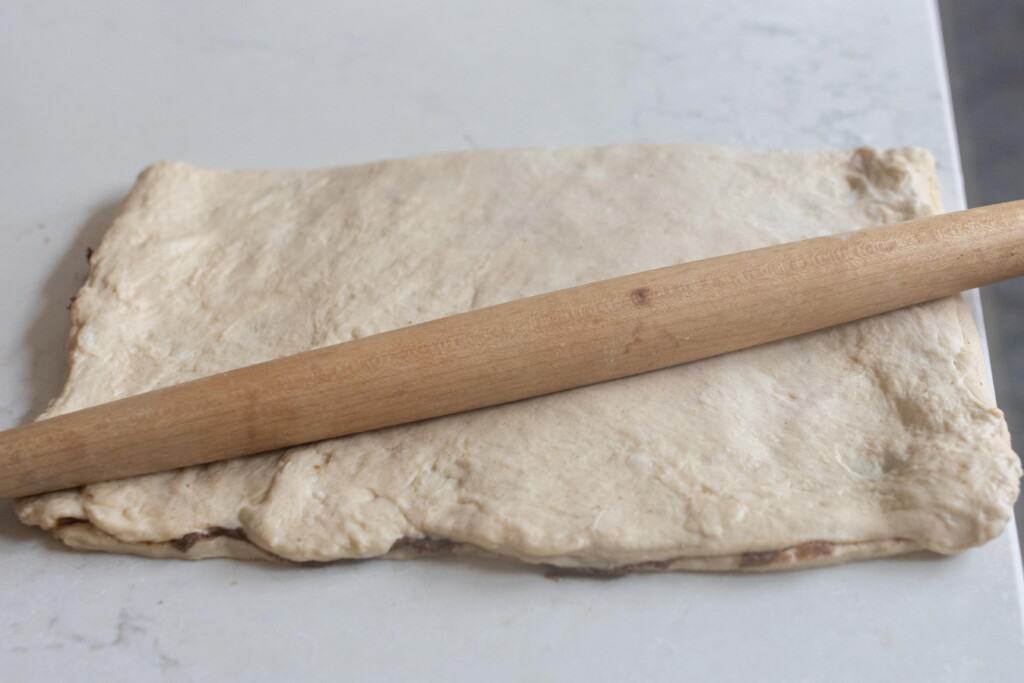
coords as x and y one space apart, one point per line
92 92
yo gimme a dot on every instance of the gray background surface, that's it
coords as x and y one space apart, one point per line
985 55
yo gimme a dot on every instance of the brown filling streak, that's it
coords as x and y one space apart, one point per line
424 545
427 545
804 551
188 540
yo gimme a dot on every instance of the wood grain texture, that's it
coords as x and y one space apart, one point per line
530 347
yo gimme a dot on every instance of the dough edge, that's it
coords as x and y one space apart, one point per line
83 535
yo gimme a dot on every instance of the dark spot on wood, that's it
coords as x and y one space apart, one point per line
88 254
641 296
71 302
812 549
184 543
759 559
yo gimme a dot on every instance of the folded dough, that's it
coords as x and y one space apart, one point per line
870 439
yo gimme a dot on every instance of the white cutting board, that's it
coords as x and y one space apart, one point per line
92 92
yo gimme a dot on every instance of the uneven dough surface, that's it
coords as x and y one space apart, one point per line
870 439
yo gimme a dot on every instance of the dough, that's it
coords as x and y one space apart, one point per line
870 439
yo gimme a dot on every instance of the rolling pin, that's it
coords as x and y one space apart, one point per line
534 346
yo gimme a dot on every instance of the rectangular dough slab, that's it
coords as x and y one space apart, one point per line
869 439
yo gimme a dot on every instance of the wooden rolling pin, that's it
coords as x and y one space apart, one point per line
543 344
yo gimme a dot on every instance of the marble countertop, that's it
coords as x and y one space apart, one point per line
92 93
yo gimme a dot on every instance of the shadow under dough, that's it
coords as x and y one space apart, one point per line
47 335
11 529
47 338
